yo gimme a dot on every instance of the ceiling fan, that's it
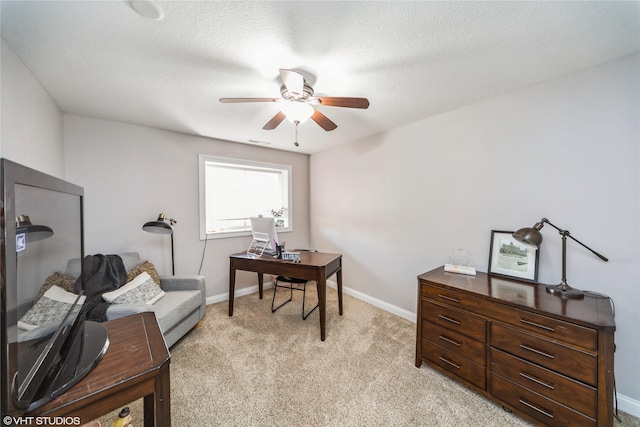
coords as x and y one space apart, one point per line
298 103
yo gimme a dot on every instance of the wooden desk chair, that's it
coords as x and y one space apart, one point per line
292 284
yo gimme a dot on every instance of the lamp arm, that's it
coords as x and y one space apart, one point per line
566 233
594 252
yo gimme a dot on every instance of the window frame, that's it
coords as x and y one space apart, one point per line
204 159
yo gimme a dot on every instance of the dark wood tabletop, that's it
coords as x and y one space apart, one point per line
318 266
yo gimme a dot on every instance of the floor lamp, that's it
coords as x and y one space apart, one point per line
532 236
160 226
32 232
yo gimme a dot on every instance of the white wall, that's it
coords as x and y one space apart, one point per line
397 204
31 122
132 173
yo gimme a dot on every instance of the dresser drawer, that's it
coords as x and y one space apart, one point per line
454 341
536 406
556 387
549 326
555 329
456 320
452 298
571 362
453 362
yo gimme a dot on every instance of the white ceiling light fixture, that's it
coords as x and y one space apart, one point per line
147 9
297 111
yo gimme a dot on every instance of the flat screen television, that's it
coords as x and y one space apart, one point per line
43 352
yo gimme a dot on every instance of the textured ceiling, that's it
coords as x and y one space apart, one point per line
412 60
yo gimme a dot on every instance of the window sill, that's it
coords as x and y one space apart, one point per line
239 233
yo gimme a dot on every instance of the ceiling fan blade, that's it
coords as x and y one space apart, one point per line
324 121
336 101
275 121
293 81
236 100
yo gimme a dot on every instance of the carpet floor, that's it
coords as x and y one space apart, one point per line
262 369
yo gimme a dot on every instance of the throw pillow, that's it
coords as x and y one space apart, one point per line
141 290
56 279
51 308
145 266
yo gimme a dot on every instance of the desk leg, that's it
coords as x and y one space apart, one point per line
260 283
322 305
339 278
232 287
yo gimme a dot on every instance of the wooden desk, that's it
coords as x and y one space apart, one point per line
136 365
316 266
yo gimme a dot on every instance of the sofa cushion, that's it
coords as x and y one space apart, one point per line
141 290
146 266
56 279
51 308
175 306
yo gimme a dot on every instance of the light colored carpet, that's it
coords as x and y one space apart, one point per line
262 369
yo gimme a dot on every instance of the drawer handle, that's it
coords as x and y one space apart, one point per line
448 298
535 408
536 351
536 380
530 323
448 319
449 362
450 341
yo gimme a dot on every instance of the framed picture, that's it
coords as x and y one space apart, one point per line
518 293
510 258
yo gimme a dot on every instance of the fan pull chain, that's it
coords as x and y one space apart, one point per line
297 122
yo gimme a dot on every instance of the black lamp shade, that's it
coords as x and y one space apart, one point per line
529 236
33 232
159 226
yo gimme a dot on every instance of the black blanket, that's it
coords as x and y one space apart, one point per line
100 274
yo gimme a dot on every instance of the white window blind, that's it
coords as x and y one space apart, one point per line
233 190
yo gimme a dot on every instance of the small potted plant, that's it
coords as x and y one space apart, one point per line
277 214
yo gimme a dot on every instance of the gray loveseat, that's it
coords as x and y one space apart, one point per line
178 311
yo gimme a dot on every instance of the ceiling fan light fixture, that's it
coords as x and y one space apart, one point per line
297 111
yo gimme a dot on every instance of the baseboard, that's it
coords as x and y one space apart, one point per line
238 293
626 404
400 312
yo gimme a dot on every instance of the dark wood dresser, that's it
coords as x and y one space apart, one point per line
546 358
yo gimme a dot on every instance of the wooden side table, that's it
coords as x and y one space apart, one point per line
135 366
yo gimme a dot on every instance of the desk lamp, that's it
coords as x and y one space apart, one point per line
160 226
532 236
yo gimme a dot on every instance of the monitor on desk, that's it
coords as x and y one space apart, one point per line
265 238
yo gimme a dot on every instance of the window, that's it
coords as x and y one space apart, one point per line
232 191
